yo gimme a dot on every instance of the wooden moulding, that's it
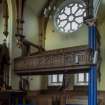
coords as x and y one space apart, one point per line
66 60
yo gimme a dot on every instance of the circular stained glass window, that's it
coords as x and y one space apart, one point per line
69 16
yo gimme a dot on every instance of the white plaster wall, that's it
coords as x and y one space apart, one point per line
55 40
31 33
31 29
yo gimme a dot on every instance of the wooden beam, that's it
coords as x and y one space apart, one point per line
43 21
28 43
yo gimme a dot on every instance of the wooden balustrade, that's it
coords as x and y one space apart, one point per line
73 59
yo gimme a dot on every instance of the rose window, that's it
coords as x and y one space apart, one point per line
69 16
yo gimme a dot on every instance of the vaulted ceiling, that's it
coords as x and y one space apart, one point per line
36 5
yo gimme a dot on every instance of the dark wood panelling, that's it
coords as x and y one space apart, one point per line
46 97
55 61
101 97
10 97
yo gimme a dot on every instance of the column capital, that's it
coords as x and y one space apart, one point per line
90 22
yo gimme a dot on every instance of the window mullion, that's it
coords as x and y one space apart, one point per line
85 77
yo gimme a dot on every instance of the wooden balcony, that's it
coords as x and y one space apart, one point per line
66 60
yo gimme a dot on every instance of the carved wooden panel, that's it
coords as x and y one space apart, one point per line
56 61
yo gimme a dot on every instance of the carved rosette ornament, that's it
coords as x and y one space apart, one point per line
91 22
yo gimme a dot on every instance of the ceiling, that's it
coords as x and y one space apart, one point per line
36 5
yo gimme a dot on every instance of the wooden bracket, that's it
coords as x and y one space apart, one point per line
43 21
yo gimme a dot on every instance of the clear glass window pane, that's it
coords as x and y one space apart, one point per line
74 8
54 78
67 11
81 77
49 78
61 78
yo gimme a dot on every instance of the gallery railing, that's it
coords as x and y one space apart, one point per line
73 59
